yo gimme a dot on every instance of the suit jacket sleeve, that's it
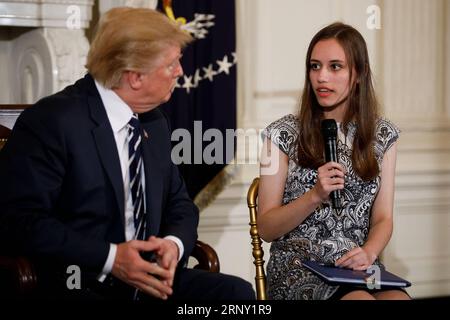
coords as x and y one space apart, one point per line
181 216
33 164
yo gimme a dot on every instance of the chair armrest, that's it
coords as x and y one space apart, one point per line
206 256
18 276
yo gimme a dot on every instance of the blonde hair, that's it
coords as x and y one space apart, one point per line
130 39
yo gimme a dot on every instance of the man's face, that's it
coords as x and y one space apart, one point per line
159 83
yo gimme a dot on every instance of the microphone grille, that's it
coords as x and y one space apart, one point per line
329 128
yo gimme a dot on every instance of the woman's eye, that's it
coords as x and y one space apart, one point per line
314 66
336 67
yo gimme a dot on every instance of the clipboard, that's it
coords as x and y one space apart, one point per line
338 276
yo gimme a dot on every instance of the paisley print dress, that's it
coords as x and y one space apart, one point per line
326 234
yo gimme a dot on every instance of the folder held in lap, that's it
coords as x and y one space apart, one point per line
338 276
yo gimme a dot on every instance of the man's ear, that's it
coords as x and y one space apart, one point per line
134 79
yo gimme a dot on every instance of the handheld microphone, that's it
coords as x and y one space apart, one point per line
329 134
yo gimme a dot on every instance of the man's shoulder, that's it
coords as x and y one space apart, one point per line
68 102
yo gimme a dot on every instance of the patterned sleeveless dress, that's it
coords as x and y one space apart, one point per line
325 235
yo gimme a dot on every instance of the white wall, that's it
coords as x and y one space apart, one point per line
415 84
410 59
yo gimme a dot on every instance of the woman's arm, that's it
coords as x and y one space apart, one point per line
276 219
381 222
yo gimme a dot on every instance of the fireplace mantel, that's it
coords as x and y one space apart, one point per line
43 46
41 13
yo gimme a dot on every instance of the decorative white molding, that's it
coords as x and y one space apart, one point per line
430 276
245 44
43 60
70 49
419 180
32 67
52 13
105 5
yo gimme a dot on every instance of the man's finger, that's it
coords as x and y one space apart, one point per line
156 270
144 245
172 268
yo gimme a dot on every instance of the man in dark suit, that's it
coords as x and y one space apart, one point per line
87 178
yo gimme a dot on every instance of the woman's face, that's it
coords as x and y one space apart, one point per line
330 75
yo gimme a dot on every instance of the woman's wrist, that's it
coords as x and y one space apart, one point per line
371 254
315 199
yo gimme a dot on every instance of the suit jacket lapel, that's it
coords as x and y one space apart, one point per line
107 149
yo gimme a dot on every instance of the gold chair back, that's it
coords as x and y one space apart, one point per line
257 250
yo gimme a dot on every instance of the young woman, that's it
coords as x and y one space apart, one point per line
295 212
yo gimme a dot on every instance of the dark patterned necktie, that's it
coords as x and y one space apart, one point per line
135 166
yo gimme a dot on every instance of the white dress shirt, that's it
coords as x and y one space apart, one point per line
119 114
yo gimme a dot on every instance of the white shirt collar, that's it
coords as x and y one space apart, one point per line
119 113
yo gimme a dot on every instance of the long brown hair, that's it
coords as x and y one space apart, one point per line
362 105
